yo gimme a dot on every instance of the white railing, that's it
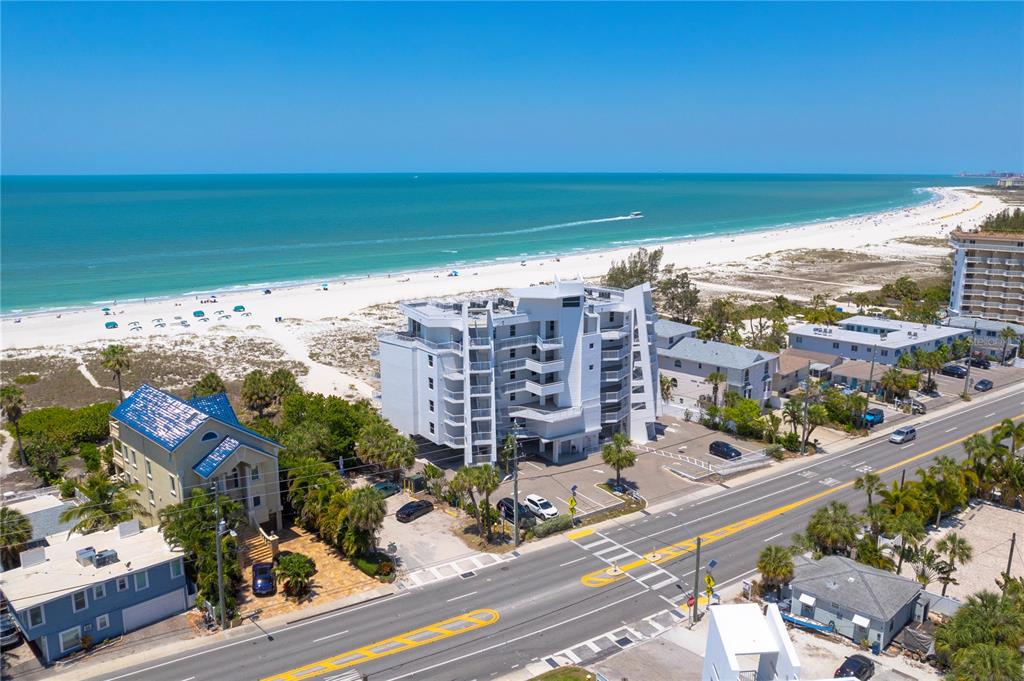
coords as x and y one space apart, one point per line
513 386
454 396
615 375
544 389
613 416
479 366
453 441
480 414
546 416
479 342
482 435
520 341
455 419
621 353
480 390
615 396
452 346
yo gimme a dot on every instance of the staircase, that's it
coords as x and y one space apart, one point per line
256 549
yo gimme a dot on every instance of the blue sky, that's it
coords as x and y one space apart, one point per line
165 88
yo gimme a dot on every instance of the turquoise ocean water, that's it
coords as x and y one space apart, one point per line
70 241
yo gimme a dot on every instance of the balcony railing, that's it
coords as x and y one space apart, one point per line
613 416
454 396
450 346
615 395
533 365
548 416
455 419
479 342
618 375
479 366
612 355
525 341
480 414
453 441
544 389
480 390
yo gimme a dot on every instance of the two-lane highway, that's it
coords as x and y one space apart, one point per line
506 616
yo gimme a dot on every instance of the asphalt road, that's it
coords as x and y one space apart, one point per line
544 601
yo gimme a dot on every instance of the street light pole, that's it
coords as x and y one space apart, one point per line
515 481
220 572
970 354
696 586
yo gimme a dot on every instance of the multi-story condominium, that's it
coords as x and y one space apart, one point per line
690 361
77 591
873 339
569 364
170 446
988 275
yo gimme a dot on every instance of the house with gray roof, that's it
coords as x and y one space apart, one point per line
668 332
860 602
690 361
42 508
987 339
170 446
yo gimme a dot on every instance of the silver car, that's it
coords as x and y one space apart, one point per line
904 434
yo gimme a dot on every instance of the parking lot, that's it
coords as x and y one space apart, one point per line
428 540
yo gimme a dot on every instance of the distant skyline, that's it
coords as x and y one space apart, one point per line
121 88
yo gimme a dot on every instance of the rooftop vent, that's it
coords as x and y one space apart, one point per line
85 556
105 557
128 528
32 557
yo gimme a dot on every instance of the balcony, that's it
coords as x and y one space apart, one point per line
613 376
619 354
455 419
453 374
550 343
479 366
614 416
534 365
527 341
548 414
477 414
477 390
454 441
544 389
479 435
613 396
409 339
479 342
454 396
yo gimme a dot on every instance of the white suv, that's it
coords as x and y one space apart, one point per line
540 507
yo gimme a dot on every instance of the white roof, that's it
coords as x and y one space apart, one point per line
36 504
861 621
867 331
743 629
61 574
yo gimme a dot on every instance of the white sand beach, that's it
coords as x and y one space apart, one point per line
302 307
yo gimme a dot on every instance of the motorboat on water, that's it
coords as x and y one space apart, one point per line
636 214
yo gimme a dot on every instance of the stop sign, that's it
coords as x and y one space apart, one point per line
690 601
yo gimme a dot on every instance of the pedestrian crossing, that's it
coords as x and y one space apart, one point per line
603 645
463 567
611 552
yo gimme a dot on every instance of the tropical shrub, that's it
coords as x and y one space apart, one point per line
295 570
68 427
559 523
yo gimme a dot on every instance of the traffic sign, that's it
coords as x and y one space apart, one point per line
710 581
712 563
572 504
709 591
690 601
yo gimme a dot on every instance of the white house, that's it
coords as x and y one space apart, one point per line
876 339
572 364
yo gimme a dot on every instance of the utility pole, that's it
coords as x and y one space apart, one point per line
903 477
871 374
696 586
970 354
515 481
220 573
1009 561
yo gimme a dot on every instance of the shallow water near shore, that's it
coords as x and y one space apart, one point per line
69 241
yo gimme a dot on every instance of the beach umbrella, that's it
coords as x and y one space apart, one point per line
104 309
198 313
111 325
239 308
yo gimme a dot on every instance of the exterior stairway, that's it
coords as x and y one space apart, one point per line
256 550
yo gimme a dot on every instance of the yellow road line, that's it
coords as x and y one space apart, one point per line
579 533
453 626
606 576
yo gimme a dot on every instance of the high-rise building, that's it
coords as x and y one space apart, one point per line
568 364
988 275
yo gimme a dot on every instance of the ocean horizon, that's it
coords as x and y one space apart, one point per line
70 241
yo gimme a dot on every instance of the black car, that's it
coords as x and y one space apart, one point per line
857 666
980 363
724 450
983 385
413 510
506 508
954 370
263 583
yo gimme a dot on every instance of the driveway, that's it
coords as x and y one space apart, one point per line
427 541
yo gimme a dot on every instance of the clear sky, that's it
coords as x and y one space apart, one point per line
810 87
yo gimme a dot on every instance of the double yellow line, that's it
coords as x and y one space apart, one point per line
454 626
606 576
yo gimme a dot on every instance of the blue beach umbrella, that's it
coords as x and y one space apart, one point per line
198 313
111 325
239 308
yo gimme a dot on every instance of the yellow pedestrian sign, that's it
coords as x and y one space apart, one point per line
710 581
572 505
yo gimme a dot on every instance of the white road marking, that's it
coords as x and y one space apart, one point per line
530 463
988 416
573 561
671 513
859 463
949 430
905 446
774 536
471 593
317 640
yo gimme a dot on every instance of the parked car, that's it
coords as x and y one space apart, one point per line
980 363
724 450
9 634
263 582
857 666
387 488
540 507
918 407
954 370
904 434
983 385
874 416
506 508
413 510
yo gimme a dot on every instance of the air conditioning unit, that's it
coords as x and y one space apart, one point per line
105 557
85 556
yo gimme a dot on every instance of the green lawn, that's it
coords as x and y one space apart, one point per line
565 674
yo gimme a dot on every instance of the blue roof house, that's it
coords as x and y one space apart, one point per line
171 446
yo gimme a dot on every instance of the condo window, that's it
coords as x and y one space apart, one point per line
511 397
149 469
35 617
700 365
885 353
256 501
431 428
591 346
430 360
591 368
152 498
512 375
174 485
79 601
102 622
430 405
512 331
255 474
798 339
122 583
70 638
430 383
571 302
835 346
679 362
141 581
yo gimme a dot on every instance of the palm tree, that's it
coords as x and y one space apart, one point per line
1007 429
956 550
858 403
870 483
209 384
987 661
618 455
892 382
833 528
926 563
898 500
715 378
107 504
365 509
12 401
793 412
464 482
116 360
665 385
776 566
257 392
910 529
1008 335
772 423
486 480
15 532
984 458
296 571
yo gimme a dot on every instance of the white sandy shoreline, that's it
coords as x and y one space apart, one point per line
306 301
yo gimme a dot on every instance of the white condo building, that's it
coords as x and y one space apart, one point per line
572 364
988 275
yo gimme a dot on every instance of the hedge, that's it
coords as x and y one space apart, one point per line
556 524
70 427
